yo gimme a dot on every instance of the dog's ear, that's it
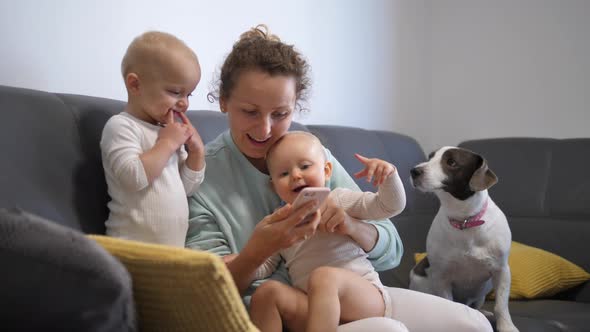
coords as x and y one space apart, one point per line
483 177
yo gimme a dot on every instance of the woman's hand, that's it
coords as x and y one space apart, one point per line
277 231
282 229
228 258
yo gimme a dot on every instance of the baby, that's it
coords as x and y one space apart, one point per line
333 279
148 171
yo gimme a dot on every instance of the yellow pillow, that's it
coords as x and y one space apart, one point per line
178 289
537 273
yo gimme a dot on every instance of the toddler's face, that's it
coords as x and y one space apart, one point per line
297 162
168 88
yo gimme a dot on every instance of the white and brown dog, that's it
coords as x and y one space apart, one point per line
469 240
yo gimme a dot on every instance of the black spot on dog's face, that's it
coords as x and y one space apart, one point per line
459 165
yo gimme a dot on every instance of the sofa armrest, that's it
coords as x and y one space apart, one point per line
55 279
582 293
178 289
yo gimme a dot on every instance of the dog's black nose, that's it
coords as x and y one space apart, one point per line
416 172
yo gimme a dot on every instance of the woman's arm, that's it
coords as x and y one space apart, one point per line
378 237
363 233
275 232
204 232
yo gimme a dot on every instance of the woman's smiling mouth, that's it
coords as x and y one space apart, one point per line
258 142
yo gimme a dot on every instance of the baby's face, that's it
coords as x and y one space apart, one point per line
297 162
168 88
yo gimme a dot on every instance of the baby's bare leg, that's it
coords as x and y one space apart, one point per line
339 296
274 304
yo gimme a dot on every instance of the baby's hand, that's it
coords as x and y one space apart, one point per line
174 132
194 145
376 170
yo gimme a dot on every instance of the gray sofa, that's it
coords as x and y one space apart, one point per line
51 167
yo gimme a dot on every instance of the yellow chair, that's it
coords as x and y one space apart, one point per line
178 289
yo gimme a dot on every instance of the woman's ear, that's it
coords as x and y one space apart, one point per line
223 105
328 170
132 83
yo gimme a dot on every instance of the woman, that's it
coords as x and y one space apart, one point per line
262 83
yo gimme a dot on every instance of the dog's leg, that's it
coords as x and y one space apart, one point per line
479 302
481 294
501 281
419 277
441 286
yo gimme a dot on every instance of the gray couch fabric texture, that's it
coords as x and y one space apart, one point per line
52 168
56 277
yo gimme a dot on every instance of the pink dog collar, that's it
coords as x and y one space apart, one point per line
471 221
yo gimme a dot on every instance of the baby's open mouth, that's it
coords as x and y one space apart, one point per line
298 189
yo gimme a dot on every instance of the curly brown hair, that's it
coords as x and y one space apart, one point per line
258 49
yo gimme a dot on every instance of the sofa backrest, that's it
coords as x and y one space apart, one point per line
43 164
402 151
543 190
52 164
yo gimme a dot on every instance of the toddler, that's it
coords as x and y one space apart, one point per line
148 170
333 279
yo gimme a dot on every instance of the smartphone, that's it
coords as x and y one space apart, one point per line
318 194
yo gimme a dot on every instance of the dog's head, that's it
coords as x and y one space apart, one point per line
458 171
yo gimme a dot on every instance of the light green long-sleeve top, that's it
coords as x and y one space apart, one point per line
235 196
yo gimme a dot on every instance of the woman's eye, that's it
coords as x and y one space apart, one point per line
280 115
249 112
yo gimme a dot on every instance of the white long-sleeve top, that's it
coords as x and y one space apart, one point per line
328 249
156 212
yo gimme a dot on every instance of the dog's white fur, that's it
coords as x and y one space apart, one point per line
465 264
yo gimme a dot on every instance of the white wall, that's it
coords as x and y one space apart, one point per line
441 71
508 68
76 47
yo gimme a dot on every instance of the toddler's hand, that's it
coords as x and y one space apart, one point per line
376 170
175 132
194 145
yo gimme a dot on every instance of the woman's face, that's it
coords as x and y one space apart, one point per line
260 110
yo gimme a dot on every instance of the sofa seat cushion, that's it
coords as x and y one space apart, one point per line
178 289
55 279
547 315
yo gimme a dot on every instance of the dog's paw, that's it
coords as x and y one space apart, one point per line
506 326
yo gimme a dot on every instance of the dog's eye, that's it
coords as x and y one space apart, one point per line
451 162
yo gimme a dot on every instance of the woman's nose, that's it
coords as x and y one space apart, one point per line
265 127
